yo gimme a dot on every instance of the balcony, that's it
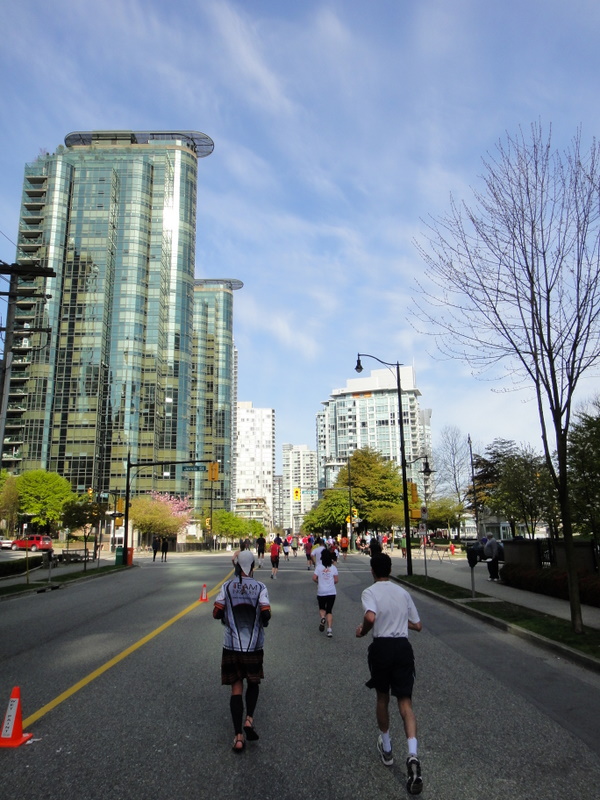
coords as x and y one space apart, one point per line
22 345
16 408
12 455
13 440
20 363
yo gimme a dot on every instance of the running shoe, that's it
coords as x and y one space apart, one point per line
385 755
329 633
322 624
414 783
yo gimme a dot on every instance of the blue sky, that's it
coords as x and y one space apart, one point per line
339 127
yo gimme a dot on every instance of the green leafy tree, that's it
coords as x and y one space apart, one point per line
516 484
9 502
444 512
329 514
584 470
42 496
376 488
83 513
153 517
229 525
255 528
376 485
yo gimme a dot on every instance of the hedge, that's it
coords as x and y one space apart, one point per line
17 566
551 581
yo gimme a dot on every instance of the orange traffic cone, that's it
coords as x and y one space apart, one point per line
12 728
204 594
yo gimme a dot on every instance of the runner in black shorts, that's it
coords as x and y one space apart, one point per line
390 613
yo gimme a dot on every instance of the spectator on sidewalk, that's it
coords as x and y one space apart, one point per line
155 546
490 551
164 548
389 612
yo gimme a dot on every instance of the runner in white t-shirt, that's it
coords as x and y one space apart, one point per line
390 613
326 577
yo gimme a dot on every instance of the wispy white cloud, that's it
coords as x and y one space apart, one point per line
338 126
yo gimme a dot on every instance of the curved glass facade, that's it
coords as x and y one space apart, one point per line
116 220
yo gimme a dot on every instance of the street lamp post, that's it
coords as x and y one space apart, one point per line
359 368
473 487
426 472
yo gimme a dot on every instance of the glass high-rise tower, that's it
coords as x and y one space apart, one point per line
103 352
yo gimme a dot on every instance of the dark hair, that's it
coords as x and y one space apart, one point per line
381 564
326 558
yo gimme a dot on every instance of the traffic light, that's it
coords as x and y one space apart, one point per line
120 504
118 522
207 521
213 471
297 494
90 492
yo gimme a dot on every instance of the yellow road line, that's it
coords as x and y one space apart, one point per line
113 661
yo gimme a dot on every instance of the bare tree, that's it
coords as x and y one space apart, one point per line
452 465
518 274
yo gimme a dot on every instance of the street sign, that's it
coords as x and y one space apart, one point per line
195 468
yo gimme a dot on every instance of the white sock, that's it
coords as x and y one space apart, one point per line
412 747
386 741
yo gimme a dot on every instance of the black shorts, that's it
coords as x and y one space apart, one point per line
326 602
260 553
236 665
275 562
392 666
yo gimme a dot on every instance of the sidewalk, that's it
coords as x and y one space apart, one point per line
456 570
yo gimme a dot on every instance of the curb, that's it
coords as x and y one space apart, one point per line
589 662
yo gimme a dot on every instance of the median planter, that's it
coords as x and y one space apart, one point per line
18 566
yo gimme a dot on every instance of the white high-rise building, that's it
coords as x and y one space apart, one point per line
365 414
255 456
300 484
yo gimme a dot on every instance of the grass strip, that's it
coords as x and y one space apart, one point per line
442 588
557 630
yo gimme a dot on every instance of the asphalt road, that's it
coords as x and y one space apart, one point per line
497 716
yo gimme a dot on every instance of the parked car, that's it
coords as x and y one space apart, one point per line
33 542
5 544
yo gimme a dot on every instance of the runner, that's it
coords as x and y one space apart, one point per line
308 552
344 543
315 555
243 607
260 549
326 577
275 548
390 613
